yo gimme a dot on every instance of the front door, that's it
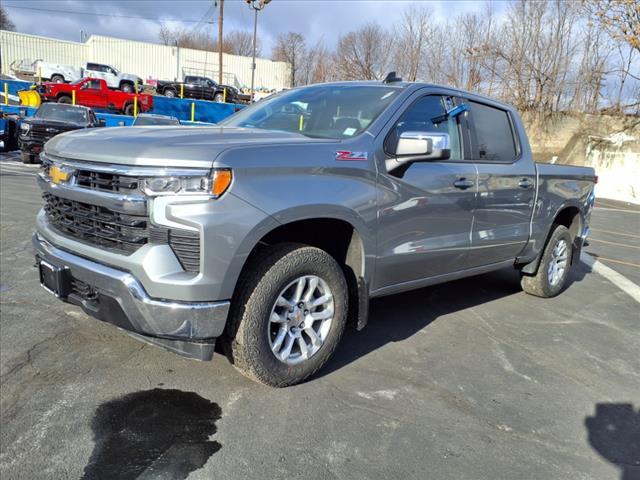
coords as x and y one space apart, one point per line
426 210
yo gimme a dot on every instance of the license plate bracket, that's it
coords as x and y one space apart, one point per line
54 279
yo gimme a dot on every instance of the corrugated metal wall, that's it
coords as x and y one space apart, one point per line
147 60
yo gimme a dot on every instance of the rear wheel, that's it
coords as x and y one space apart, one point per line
169 92
218 97
288 315
64 99
57 78
126 87
553 270
128 110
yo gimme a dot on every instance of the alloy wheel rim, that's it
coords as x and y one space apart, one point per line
300 319
558 263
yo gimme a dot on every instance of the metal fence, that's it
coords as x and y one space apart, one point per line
147 60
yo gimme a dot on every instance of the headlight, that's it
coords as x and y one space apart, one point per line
25 127
215 185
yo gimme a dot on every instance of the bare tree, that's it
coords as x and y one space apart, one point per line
292 48
240 42
412 42
364 54
185 38
5 21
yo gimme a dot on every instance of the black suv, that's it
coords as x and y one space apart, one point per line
200 88
50 120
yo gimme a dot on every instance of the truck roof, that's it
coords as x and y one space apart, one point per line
415 86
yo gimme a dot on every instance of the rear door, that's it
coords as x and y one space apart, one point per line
506 186
426 209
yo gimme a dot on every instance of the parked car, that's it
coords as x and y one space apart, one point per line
271 229
201 88
94 92
50 120
59 73
8 133
153 119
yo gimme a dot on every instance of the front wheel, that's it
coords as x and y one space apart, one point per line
57 78
64 99
169 93
128 110
218 97
126 87
553 270
288 315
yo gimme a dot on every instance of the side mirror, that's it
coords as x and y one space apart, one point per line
419 146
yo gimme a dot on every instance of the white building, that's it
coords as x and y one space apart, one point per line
147 60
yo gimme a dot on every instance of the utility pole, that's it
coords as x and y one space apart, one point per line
220 18
257 5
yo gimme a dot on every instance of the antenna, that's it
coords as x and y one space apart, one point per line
391 77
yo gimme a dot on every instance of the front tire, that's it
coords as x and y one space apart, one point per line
126 87
28 158
170 93
57 78
128 110
64 99
218 97
554 267
288 315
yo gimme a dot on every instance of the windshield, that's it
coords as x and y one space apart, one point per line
63 113
144 120
322 111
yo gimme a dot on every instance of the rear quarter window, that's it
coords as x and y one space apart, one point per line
494 134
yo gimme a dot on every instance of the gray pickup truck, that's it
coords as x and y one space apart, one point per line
271 231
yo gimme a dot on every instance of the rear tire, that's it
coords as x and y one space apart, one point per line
57 78
218 97
170 93
126 87
64 99
128 110
554 267
253 339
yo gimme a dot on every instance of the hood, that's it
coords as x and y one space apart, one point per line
52 123
195 147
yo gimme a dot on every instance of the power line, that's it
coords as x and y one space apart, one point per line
72 12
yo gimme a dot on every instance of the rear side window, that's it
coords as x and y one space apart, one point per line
494 134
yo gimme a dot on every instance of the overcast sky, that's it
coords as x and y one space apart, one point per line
318 20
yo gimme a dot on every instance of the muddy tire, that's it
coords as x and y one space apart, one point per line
284 293
554 267
27 158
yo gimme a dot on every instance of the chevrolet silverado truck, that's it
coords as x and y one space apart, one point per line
94 92
200 88
50 120
271 231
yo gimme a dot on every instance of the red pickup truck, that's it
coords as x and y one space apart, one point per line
94 92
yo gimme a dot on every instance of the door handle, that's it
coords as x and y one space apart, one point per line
463 183
525 183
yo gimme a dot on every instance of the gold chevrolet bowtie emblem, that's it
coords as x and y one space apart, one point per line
59 174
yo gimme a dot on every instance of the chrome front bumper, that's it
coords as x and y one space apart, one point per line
187 328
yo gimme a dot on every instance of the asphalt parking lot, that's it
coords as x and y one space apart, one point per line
471 379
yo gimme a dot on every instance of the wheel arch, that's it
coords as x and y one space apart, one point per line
571 216
334 234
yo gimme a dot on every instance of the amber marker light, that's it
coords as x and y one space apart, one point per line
221 182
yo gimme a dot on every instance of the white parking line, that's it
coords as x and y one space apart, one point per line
620 281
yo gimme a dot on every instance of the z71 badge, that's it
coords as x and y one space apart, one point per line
348 156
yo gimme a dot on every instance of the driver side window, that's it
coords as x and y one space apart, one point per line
427 114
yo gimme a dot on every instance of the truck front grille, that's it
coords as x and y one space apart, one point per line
107 182
97 225
119 232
